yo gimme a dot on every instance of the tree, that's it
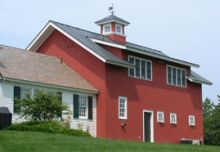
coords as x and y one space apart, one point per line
42 107
211 114
208 107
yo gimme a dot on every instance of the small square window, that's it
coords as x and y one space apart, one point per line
107 28
118 29
192 121
173 118
160 117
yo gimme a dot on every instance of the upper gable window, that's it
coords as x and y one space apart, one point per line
118 29
106 28
176 76
142 68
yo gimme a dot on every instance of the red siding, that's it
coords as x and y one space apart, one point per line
113 81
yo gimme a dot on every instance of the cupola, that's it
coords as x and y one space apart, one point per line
113 27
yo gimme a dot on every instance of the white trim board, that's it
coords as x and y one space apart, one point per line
109 44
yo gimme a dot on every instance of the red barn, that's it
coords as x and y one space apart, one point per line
143 94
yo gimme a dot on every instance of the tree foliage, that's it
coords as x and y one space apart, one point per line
211 115
43 107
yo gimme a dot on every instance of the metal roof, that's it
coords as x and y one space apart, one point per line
30 67
196 78
84 37
144 48
112 18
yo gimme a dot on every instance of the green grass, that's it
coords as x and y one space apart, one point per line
18 141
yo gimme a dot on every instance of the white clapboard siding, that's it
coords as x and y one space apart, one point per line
84 124
7 100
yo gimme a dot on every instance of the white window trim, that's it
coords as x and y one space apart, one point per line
172 122
119 25
167 78
86 114
103 28
192 124
130 56
163 119
126 108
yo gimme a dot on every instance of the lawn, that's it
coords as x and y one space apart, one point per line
15 141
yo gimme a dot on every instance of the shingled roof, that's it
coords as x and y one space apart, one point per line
17 64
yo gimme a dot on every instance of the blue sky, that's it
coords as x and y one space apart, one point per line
187 30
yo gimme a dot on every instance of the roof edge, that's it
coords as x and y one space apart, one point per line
200 82
170 59
109 21
49 85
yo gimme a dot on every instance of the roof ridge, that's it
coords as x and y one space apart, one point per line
78 28
30 52
11 47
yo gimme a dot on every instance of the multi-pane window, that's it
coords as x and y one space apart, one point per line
176 76
142 68
173 118
122 108
160 117
192 121
118 29
107 28
83 106
25 92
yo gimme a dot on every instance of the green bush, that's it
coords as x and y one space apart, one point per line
49 127
43 106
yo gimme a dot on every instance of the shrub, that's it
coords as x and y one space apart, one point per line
42 107
49 127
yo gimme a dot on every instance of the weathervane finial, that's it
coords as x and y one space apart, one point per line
111 9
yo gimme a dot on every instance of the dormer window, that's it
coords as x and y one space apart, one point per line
118 29
106 28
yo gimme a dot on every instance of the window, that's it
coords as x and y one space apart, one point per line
118 29
192 120
83 107
122 108
160 117
176 76
142 68
173 118
22 92
106 28
25 92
